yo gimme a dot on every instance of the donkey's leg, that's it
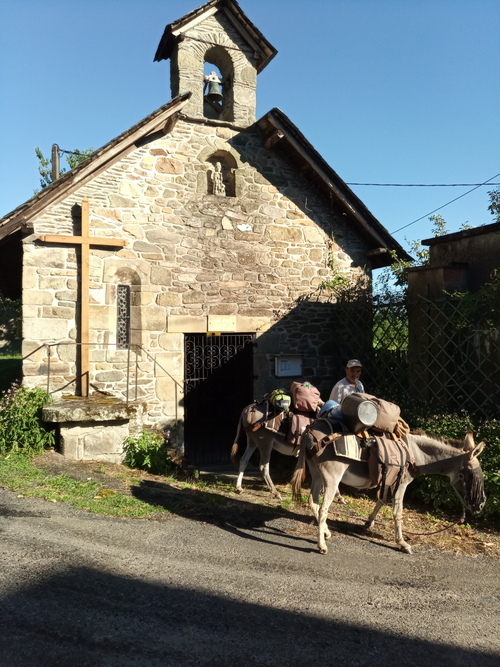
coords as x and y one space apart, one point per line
316 489
371 519
340 498
265 445
331 485
323 531
264 469
251 447
397 513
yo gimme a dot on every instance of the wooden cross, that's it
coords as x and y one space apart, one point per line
85 242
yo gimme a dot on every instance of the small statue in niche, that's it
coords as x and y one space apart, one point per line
218 180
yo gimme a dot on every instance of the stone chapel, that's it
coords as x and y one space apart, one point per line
178 272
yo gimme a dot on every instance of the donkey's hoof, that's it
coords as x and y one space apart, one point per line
341 500
323 550
405 548
238 490
368 525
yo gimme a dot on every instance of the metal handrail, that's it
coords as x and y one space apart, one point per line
136 348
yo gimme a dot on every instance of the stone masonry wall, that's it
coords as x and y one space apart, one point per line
257 256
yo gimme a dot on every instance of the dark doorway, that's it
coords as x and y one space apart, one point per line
218 385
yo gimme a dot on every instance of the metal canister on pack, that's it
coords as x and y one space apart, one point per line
358 413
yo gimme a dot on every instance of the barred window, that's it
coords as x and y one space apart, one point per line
123 316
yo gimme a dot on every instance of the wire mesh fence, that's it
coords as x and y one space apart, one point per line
426 352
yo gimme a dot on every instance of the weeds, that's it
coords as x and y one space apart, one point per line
21 426
148 451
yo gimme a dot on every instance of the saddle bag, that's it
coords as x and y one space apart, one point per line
388 462
298 424
323 432
305 397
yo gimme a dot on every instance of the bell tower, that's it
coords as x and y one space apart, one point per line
215 54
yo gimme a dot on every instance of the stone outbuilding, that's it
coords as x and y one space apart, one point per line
184 267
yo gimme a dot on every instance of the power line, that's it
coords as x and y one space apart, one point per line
426 185
447 204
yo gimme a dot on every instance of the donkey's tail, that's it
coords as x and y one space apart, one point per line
236 449
299 475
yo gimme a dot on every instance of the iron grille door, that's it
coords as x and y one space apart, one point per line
218 385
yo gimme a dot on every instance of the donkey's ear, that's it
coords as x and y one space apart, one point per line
469 443
478 449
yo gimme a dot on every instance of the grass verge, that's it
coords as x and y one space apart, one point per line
18 473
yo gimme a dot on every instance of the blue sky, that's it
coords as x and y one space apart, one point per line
388 91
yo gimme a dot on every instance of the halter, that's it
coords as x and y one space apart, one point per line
465 497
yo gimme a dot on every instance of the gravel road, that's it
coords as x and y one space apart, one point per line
80 589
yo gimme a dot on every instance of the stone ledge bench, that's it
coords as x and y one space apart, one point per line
94 429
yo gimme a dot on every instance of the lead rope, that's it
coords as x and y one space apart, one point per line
405 532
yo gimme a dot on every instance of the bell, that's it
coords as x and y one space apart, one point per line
214 93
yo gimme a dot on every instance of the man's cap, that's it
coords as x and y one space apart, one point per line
354 362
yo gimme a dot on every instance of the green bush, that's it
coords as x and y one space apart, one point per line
436 490
21 426
148 451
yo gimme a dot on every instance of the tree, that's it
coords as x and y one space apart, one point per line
394 278
73 159
494 207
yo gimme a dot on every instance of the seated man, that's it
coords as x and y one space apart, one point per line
350 383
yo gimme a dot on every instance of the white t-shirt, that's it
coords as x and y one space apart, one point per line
343 388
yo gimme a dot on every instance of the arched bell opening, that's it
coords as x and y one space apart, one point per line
218 95
221 168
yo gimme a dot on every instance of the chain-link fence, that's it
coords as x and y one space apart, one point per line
427 352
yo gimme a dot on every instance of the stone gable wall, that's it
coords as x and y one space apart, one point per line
258 256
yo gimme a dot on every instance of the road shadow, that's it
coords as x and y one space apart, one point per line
237 515
210 507
91 618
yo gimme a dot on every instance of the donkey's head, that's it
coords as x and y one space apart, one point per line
469 479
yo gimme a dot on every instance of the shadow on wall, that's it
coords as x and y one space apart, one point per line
10 326
10 371
325 335
87 617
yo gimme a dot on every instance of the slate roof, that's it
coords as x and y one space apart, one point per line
250 33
